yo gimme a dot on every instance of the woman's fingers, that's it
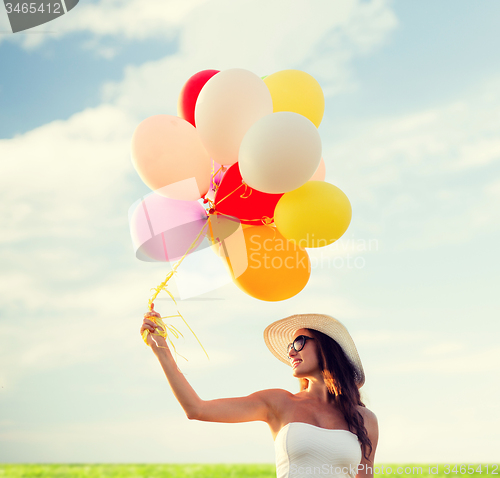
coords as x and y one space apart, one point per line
151 326
148 328
152 313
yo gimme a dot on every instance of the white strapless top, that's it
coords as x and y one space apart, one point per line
305 450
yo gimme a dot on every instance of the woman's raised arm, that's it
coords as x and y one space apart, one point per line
259 406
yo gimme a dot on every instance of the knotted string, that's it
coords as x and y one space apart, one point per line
165 329
264 220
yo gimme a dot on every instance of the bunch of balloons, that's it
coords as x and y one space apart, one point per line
244 154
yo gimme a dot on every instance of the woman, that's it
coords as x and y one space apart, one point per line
323 430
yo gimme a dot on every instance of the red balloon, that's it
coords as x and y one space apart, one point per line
189 94
247 204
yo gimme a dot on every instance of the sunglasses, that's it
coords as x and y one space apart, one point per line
298 344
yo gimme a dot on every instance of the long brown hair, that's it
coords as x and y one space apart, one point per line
339 376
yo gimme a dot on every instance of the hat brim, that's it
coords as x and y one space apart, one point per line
279 334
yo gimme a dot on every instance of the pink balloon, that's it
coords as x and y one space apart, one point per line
162 229
167 150
320 173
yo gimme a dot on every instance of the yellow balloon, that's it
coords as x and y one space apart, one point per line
297 91
277 269
314 215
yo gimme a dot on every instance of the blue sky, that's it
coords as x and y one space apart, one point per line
410 134
437 51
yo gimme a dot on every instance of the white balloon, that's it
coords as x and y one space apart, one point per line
228 104
280 152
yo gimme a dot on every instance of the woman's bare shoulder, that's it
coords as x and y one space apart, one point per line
276 394
363 409
366 413
370 419
277 399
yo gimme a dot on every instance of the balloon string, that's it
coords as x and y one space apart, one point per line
166 329
248 191
227 195
264 220
215 186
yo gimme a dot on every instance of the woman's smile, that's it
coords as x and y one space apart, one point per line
296 362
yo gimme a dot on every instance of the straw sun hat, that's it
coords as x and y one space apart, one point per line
280 333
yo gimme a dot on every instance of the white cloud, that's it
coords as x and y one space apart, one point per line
262 37
443 348
131 19
124 19
443 140
388 337
154 436
436 434
424 175
57 178
448 362
480 153
50 327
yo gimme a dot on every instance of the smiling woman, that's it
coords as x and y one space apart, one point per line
324 429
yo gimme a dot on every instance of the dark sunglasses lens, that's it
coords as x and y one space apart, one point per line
299 342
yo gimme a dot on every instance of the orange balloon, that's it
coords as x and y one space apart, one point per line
277 268
170 158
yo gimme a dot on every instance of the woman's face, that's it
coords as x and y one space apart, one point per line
304 363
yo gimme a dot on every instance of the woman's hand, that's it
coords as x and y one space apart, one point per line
155 340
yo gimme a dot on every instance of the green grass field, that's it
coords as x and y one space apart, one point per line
230 471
